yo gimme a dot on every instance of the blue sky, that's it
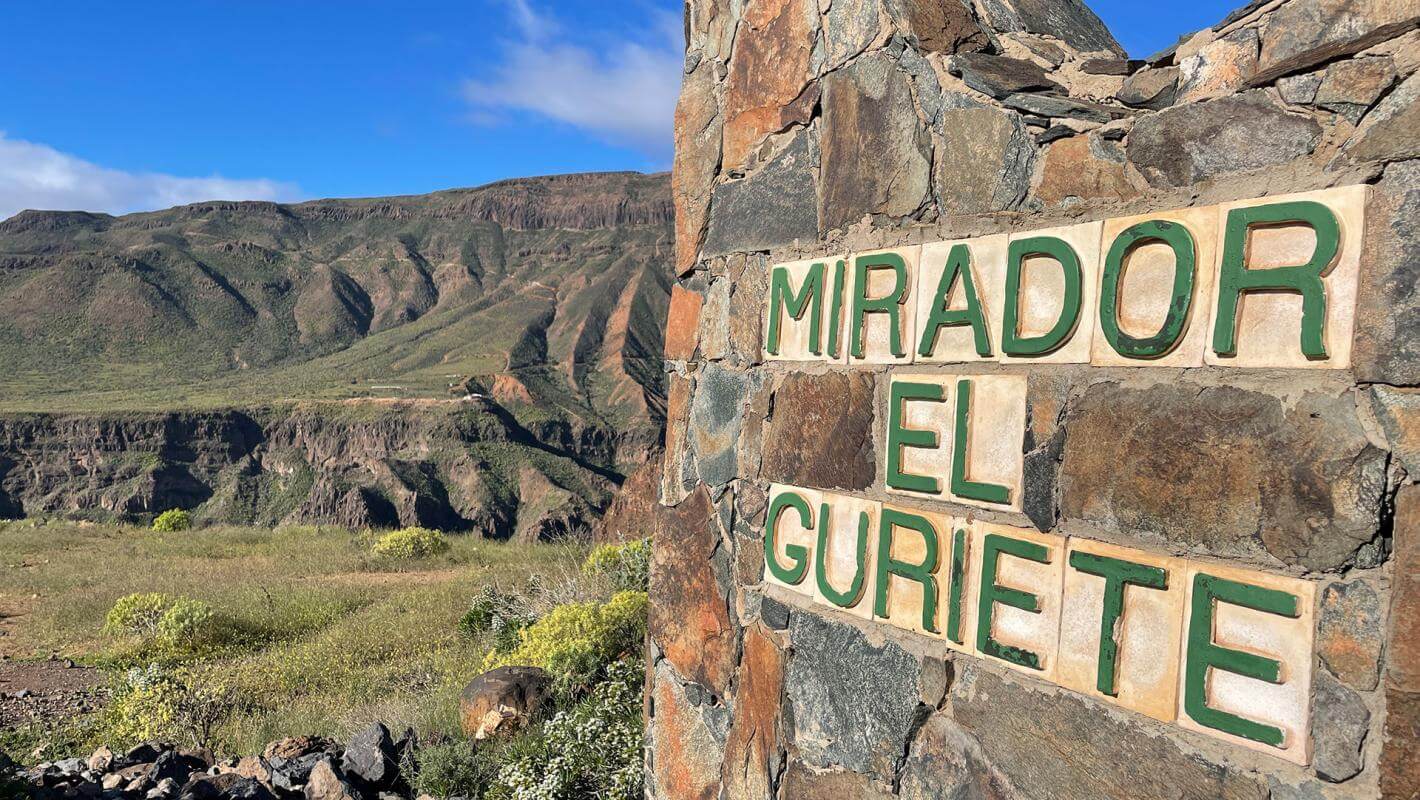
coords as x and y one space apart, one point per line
118 106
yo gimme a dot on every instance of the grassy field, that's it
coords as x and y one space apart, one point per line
324 636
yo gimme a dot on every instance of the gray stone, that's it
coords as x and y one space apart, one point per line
774 614
999 76
802 783
1387 133
1054 133
850 27
1153 89
1301 483
1054 744
875 154
984 160
852 704
1340 721
1303 33
945 762
372 756
715 422
1398 411
1349 633
1110 66
1386 349
1071 21
1187 144
1350 87
1299 90
1053 106
770 208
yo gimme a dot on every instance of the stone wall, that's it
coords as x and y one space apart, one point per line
814 130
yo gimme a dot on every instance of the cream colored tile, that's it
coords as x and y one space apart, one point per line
795 334
1040 303
882 281
788 541
1281 638
844 565
996 428
1023 639
1146 635
1269 324
961 575
917 544
986 270
923 421
1146 284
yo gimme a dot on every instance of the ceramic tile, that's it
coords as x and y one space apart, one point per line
918 538
986 269
967 571
1146 284
996 427
1041 300
842 565
1027 634
1146 635
1280 638
917 460
877 329
795 341
788 531
1269 323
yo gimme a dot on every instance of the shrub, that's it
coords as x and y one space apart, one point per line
138 613
187 623
627 566
498 613
172 520
593 749
456 769
410 543
155 703
576 642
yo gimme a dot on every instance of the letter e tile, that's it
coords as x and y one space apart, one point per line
1018 597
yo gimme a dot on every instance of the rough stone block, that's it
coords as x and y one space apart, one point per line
852 703
716 419
1403 648
1387 132
946 762
1400 749
698 126
1284 639
1085 167
879 331
683 323
1304 33
1301 483
1387 350
768 86
1189 144
1340 722
821 431
1350 632
1023 639
1153 89
752 747
774 206
983 160
679 470
689 611
687 754
1041 300
1269 324
1143 603
979 263
1144 290
1220 68
802 783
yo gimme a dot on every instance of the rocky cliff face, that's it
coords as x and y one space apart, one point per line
481 359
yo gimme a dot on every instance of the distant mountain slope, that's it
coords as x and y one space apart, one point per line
544 298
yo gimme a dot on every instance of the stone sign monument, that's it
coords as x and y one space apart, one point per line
1042 423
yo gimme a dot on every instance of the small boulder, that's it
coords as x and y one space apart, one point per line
372 756
503 700
326 783
290 774
101 760
166 788
297 746
999 76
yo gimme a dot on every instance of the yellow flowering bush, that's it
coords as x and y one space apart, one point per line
575 642
411 543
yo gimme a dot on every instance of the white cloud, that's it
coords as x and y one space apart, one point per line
37 176
622 91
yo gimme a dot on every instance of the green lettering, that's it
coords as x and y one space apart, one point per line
1178 239
797 553
835 309
1204 654
922 573
854 593
1012 343
990 594
943 316
1236 280
899 436
890 304
1117 575
961 485
957 592
782 298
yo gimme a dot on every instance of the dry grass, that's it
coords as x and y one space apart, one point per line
325 638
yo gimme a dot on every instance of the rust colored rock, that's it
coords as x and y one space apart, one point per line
802 783
698 131
754 740
1349 633
768 71
939 27
682 322
689 616
297 746
502 701
673 479
632 513
1398 411
1087 167
1386 348
821 431
1400 746
1236 473
686 758
1403 657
